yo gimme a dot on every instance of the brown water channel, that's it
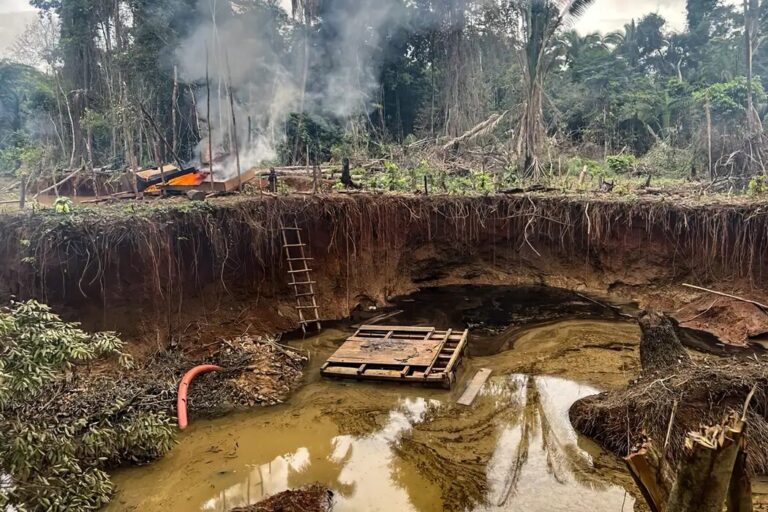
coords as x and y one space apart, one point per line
385 447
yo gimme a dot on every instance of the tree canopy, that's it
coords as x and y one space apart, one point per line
381 72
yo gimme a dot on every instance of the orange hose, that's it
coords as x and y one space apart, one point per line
181 401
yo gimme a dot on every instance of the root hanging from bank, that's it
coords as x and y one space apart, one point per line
157 256
703 394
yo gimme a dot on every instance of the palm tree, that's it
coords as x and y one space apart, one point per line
626 43
573 48
541 21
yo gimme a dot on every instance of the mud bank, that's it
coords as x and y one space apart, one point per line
161 271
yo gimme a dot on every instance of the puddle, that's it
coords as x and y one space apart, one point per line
388 447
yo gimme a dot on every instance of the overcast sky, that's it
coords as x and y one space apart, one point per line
610 15
602 16
7 6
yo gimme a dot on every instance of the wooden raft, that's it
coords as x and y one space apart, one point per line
399 353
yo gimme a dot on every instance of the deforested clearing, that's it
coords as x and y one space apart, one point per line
358 255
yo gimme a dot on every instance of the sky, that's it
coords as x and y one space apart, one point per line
603 16
610 15
7 6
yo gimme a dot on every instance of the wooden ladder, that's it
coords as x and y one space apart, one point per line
301 278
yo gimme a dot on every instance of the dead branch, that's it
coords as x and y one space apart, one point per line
735 297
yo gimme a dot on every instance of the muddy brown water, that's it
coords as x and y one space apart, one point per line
385 447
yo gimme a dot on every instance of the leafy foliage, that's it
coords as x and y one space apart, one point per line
56 461
620 164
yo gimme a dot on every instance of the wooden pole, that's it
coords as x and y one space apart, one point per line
235 142
709 139
208 118
735 297
174 108
23 194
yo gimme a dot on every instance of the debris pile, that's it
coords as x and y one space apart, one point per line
310 498
258 372
702 393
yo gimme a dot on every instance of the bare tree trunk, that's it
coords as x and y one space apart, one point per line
194 108
208 117
174 108
233 137
709 139
751 28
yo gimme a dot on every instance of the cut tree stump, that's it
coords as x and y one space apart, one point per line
660 348
711 475
705 472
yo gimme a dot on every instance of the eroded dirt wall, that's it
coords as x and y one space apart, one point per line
138 267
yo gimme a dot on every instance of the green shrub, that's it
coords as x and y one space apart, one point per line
758 186
54 460
620 164
577 164
668 161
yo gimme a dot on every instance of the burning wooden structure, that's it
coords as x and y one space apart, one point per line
181 181
399 353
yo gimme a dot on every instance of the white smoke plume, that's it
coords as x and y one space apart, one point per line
267 70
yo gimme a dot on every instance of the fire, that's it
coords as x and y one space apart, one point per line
192 179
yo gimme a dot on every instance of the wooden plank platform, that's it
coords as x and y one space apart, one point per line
474 387
399 353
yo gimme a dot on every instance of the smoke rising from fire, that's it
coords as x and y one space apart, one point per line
268 57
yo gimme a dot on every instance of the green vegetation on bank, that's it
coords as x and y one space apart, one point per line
53 450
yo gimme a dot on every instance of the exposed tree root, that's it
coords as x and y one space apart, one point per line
705 393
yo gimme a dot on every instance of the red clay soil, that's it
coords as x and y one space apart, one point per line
179 273
733 321
311 498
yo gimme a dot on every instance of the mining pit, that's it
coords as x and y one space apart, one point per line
549 287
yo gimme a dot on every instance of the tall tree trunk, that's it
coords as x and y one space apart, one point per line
174 109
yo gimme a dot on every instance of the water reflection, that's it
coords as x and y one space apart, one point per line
537 464
402 448
364 468
534 462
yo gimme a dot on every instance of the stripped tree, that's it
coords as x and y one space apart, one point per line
541 21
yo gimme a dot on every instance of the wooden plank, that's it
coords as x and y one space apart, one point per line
440 349
391 351
457 352
395 328
474 387
381 374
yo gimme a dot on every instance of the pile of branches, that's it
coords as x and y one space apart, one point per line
258 372
694 395
310 498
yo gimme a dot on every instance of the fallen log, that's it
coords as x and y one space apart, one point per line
55 185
